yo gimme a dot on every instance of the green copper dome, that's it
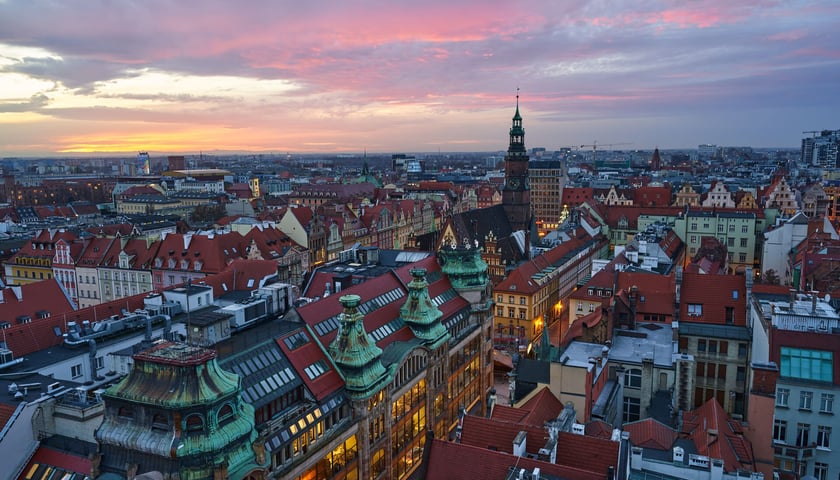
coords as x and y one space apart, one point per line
356 354
421 314
464 267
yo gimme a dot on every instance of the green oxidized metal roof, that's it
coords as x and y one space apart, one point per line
356 354
420 313
175 375
463 266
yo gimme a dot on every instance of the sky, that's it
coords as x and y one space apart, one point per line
390 76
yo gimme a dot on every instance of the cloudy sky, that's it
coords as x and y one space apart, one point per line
411 76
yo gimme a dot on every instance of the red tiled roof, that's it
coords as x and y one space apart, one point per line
717 435
306 355
599 429
542 407
59 460
455 461
520 281
649 433
594 455
715 293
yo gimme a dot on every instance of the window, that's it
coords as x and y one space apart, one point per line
633 378
511 313
632 409
826 403
730 242
225 413
730 315
782 397
76 370
100 363
695 309
743 242
745 229
591 307
160 422
720 227
694 226
522 300
701 345
742 257
194 423
499 299
779 430
125 412
805 398
821 470
500 312
824 436
522 313
742 351
579 307
807 364
803 431
510 299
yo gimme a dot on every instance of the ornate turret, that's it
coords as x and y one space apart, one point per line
180 414
356 354
421 314
464 267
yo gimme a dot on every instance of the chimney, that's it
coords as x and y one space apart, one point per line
519 444
679 455
792 298
716 469
536 474
636 458
814 301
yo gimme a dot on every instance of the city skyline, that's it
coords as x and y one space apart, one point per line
387 77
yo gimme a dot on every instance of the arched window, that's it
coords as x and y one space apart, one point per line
194 422
225 413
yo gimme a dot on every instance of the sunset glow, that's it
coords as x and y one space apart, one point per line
192 76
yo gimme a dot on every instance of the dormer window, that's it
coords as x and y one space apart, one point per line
225 413
158 262
171 263
198 264
194 423
185 264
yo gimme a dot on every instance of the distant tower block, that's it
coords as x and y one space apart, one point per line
143 163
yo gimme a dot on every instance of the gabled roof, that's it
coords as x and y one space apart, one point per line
580 452
456 461
525 279
649 433
215 252
716 435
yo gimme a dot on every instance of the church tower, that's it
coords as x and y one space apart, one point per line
516 193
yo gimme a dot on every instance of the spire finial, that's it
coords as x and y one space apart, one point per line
517 98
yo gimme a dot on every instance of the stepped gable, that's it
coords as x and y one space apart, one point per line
355 353
650 433
717 435
313 366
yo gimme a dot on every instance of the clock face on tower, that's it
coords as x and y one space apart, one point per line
513 183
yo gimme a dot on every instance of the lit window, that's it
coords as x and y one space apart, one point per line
633 378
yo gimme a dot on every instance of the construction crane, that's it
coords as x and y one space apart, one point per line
594 145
